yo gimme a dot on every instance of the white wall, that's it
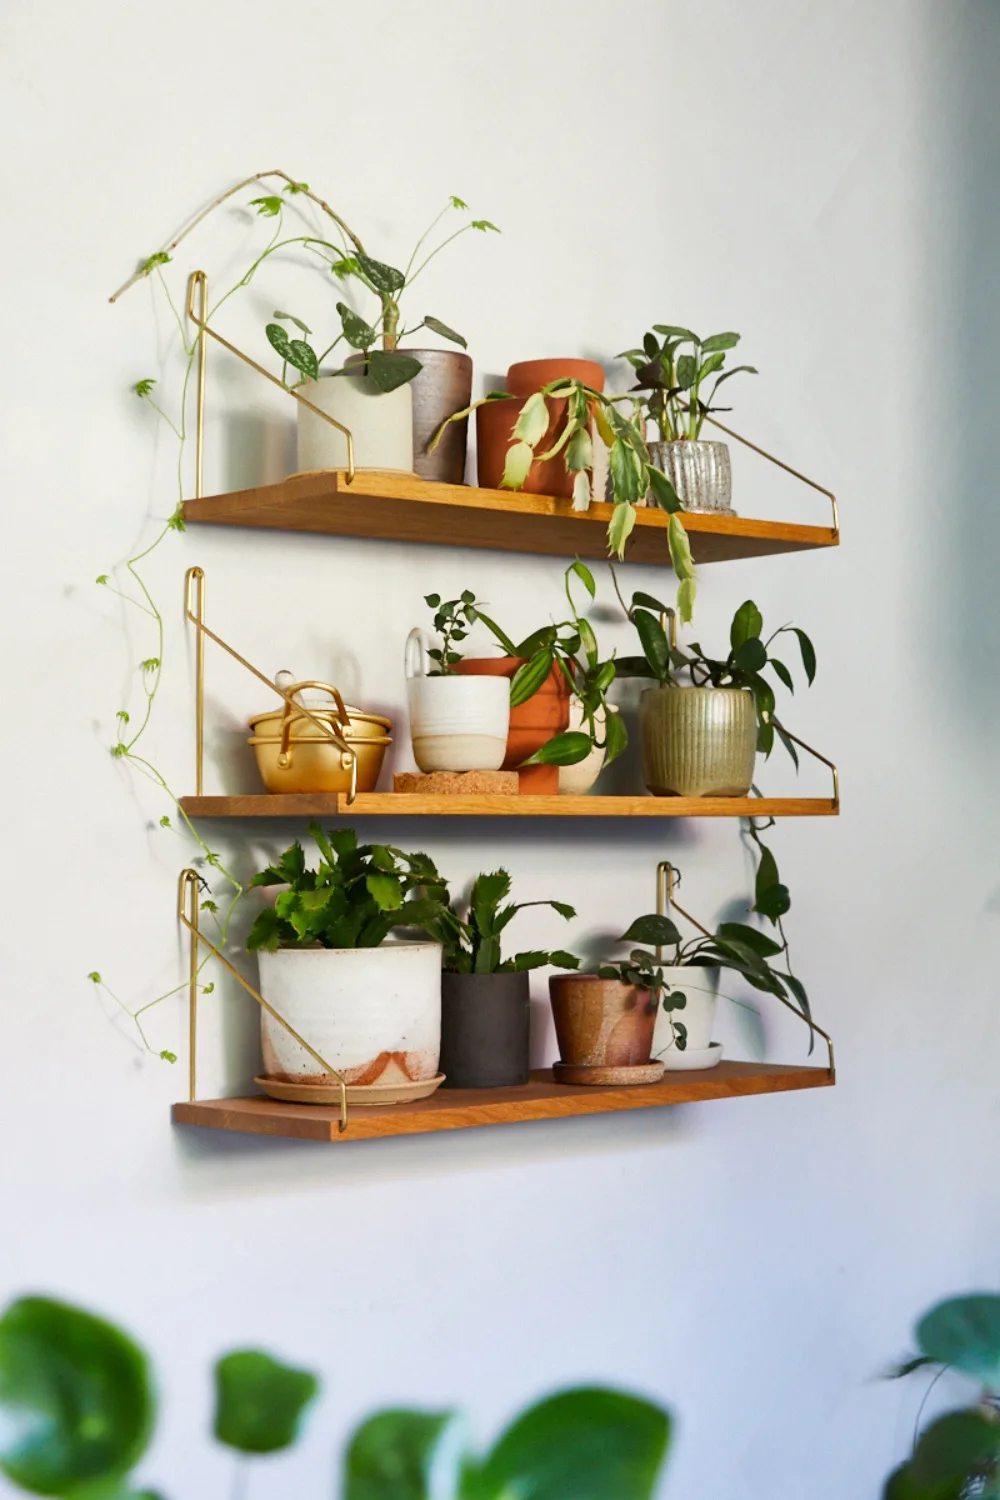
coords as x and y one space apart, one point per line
824 179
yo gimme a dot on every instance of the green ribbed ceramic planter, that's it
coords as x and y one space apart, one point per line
698 741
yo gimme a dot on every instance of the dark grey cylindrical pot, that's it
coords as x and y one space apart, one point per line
485 1027
443 387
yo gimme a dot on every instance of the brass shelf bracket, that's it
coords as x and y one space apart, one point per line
194 613
187 911
780 463
666 883
831 766
197 312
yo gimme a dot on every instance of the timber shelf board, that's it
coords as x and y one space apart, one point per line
460 1109
401 507
413 804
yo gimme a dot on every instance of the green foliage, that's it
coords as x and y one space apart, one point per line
77 1409
353 899
472 944
675 380
452 620
260 1402
964 1332
160 258
76 1400
144 387
748 658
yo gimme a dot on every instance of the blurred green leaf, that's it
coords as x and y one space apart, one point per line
748 625
956 1446
620 528
390 369
656 930
965 1332
520 457
532 422
394 1456
260 1402
529 678
566 749
720 341
436 326
663 491
358 333
382 277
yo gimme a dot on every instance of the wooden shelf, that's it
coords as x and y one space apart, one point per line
460 1109
412 804
404 508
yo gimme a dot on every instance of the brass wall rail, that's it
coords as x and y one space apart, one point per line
665 884
780 463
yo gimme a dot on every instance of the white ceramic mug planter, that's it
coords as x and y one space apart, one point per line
380 422
456 723
701 987
576 781
374 1014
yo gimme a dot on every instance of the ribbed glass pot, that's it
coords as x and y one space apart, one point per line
701 473
698 741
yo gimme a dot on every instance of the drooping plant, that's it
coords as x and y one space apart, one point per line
675 380
354 898
472 943
78 1409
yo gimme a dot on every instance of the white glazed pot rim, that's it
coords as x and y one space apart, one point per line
387 947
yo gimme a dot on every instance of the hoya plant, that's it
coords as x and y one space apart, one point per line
748 658
675 369
957 1455
78 1410
377 340
472 943
354 898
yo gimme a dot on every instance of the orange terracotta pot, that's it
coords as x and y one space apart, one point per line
602 1023
495 423
532 724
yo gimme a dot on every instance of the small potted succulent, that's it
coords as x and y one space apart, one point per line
370 1007
391 398
457 722
707 718
485 1004
698 470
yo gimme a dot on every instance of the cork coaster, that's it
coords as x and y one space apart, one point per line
457 783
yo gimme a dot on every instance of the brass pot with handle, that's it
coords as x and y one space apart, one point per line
319 749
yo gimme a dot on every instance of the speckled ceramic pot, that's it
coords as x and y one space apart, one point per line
700 472
698 741
601 1023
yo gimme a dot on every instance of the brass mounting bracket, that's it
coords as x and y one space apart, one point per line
197 312
187 910
780 463
194 612
666 883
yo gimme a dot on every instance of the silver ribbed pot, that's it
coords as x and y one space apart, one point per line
698 741
700 473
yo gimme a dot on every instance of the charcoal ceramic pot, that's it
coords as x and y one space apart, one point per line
484 1030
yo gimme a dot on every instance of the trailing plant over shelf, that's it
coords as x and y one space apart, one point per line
633 474
956 1456
675 380
355 897
748 658
472 944
78 1408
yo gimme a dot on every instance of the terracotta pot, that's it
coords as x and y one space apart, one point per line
601 1023
495 423
532 724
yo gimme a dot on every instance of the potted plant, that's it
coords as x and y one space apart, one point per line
957 1455
707 718
457 722
391 401
496 420
370 1007
699 471
485 1003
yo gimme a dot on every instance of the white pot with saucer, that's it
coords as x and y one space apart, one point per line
700 987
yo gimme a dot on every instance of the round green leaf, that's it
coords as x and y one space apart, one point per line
965 1332
394 1453
956 1446
656 930
76 1402
751 656
259 1402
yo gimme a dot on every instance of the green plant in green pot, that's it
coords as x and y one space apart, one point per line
485 1000
957 1455
369 1007
78 1409
676 370
704 722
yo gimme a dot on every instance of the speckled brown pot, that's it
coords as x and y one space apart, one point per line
601 1022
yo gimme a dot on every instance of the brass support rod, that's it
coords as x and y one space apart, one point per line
189 877
202 324
199 284
665 882
814 753
782 465
188 892
194 601
195 590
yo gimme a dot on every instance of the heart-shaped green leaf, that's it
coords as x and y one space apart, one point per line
382 277
390 369
396 1453
656 930
303 357
965 1332
358 333
259 1402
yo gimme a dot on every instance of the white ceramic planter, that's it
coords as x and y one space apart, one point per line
456 723
576 781
701 986
374 1014
380 422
